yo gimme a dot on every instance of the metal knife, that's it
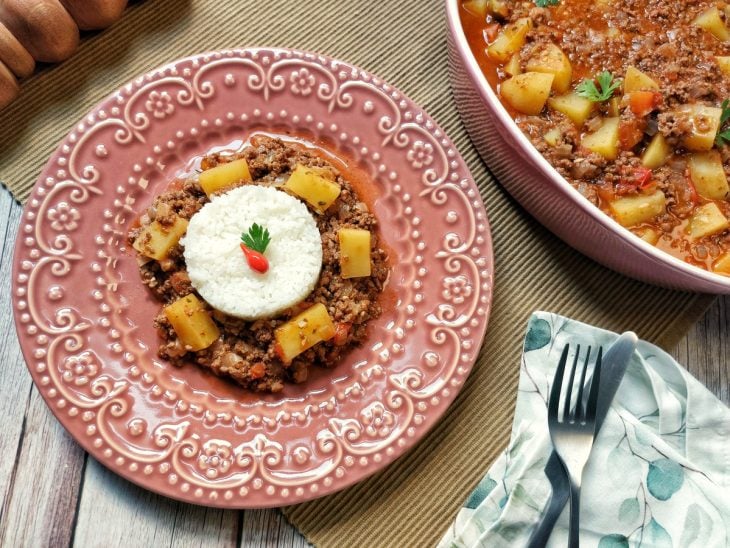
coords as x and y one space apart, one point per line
615 362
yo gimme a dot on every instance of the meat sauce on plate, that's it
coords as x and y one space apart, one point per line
248 352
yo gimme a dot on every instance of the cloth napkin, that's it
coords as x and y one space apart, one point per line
659 472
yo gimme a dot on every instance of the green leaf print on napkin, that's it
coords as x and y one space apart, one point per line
629 510
480 493
538 334
697 527
665 477
655 535
614 541
521 496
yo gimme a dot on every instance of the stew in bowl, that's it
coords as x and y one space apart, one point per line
628 101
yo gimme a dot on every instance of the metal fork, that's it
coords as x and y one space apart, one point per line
572 427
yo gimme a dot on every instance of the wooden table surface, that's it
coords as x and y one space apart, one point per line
54 494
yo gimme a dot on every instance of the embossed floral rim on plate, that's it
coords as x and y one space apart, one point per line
85 321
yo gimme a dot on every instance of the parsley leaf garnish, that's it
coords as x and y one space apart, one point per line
603 92
546 3
258 238
724 136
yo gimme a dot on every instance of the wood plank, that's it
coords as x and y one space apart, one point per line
45 490
40 465
706 349
269 528
141 518
16 385
114 512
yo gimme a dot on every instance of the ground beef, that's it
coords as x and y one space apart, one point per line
654 38
245 351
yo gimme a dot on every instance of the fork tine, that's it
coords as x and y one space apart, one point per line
595 383
579 407
558 383
569 392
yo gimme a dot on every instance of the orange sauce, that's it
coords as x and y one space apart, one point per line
388 299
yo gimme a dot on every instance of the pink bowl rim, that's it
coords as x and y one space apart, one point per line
489 97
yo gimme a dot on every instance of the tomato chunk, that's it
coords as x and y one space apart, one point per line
642 103
491 31
640 178
342 331
630 133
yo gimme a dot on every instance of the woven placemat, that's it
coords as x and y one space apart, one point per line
413 500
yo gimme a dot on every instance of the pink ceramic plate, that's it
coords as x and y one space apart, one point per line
85 320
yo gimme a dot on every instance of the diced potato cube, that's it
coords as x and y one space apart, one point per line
704 121
708 175
552 137
657 153
309 184
480 8
224 175
604 140
712 22
707 220
510 40
636 80
649 235
513 67
192 322
498 8
303 331
550 59
354 252
575 107
722 264
632 210
156 240
528 92
323 172
724 63
476 7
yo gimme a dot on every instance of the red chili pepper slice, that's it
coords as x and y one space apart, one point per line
642 176
255 260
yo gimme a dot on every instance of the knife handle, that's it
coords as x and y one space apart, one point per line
560 493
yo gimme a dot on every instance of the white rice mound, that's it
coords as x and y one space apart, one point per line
217 266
